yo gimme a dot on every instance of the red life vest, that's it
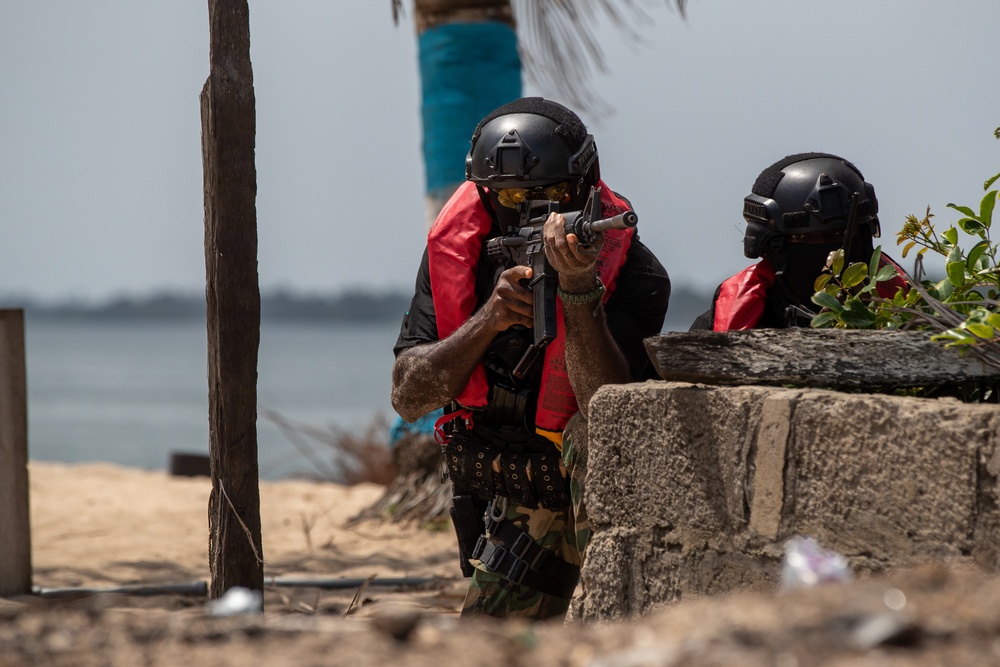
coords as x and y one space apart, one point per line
454 244
741 298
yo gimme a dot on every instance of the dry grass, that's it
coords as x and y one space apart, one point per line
339 456
419 492
412 471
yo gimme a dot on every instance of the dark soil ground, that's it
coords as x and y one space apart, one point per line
927 616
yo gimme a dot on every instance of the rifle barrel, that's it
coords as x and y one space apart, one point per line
621 221
585 229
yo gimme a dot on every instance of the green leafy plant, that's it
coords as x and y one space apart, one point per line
848 296
961 309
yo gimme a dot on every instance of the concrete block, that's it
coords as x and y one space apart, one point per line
694 489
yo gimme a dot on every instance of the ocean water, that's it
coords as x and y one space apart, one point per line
133 393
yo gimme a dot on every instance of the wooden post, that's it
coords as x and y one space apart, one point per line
228 125
15 528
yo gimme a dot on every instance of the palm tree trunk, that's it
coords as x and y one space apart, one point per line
433 13
469 65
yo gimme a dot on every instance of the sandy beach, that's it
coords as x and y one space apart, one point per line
99 526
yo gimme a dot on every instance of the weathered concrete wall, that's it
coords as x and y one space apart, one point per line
694 489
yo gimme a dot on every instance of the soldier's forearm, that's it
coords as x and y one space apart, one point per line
426 377
593 359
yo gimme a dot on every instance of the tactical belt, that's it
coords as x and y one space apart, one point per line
521 561
470 464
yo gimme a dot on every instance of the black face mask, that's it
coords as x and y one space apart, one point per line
803 264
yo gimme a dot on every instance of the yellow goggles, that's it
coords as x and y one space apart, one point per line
511 197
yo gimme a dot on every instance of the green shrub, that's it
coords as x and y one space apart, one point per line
961 310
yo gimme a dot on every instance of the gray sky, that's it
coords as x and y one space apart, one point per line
100 156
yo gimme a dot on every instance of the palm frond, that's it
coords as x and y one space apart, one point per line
560 49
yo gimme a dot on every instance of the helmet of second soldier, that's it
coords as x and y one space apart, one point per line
531 143
808 198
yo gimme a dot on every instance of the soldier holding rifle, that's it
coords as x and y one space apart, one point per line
534 290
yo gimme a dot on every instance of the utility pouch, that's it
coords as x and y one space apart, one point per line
468 522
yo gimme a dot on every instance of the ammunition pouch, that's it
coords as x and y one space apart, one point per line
531 477
509 406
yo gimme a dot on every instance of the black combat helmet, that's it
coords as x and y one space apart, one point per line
805 197
530 143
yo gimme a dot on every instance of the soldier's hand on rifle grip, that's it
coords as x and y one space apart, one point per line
573 263
511 302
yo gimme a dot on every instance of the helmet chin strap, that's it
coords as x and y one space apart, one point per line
852 225
778 255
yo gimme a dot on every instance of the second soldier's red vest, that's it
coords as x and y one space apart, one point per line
741 300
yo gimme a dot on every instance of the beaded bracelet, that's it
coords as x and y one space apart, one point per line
593 295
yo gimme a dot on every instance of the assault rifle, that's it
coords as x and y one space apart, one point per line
524 246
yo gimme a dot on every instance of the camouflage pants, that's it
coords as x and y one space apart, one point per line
563 532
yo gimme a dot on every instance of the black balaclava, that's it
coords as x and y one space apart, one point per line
804 263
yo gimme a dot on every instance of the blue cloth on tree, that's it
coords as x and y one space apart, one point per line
466 71
423 426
